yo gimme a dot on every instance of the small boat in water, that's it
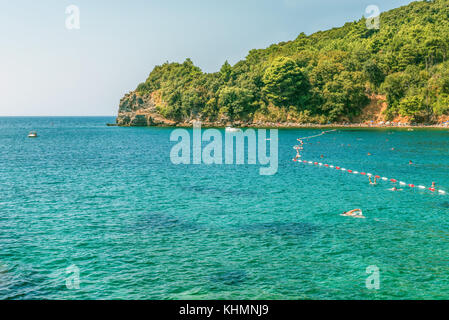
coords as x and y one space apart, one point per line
230 129
32 134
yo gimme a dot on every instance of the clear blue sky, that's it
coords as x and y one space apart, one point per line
46 69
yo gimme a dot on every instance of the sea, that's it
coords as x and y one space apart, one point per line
89 211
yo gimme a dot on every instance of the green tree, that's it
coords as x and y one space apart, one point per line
411 106
235 102
373 73
395 87
344 96
285 84
226 71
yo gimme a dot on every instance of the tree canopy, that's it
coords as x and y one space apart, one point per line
326 76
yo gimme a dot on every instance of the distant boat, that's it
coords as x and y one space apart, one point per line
32 134
230 129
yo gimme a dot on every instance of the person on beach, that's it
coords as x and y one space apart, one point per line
372 182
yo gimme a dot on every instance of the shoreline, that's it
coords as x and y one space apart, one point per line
299 126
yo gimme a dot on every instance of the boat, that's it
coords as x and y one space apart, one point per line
32 134
231 129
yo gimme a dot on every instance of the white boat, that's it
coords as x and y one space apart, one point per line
230 129
32 135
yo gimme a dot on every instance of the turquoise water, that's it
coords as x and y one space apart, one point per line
109 201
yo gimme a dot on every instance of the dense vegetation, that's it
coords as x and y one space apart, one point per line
327 76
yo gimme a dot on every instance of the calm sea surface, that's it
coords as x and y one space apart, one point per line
109 201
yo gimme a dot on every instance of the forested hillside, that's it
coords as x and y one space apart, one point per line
328 76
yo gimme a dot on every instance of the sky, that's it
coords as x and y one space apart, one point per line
47 69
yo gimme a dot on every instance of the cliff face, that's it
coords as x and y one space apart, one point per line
138 110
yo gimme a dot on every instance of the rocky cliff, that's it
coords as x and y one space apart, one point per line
139 110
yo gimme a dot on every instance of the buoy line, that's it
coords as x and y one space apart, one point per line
394 181
300 147
301 143
322 133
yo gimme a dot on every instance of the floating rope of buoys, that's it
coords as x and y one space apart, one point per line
315 136
402 183
394 181
301 143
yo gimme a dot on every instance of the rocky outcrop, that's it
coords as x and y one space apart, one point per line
138 110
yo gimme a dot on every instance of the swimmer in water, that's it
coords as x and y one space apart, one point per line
356 213
372 182
434 185
298 156
395 189
410 162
